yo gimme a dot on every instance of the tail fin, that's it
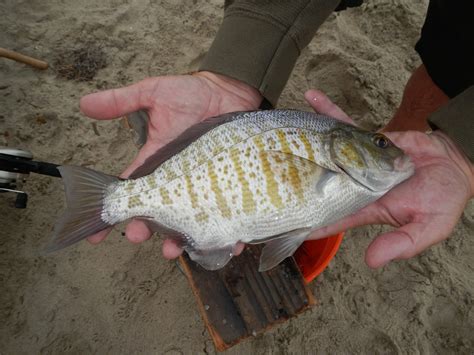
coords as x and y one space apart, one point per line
85 191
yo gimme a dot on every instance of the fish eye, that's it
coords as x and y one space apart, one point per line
381 141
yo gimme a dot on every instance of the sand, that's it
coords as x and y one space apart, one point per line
124 298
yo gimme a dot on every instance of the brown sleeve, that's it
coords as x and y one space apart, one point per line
259 41
456 119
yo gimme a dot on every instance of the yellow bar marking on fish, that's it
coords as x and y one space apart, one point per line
307 145
189 184
170 174
151 180
129 185
259 143
271 143
165 196
285 147
248 150
192 194
247 196
351 154
134 201
201 217
296 144
272 185
186 165
220 199
217 144
295 181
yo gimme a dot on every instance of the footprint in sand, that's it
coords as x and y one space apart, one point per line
448 326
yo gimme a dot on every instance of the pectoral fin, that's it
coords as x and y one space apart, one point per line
275 251
324 180
309 174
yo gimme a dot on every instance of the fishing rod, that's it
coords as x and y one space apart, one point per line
15 166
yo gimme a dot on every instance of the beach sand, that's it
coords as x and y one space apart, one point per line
123 298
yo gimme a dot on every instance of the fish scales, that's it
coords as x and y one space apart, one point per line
240 187
256 177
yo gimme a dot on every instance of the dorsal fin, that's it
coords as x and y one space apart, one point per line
182 141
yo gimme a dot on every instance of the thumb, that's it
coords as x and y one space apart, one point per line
404 243
117 102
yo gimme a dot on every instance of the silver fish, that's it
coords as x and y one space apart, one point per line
253 177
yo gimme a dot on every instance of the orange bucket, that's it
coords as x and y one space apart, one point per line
313 256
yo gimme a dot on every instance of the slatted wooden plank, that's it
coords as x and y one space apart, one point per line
238 301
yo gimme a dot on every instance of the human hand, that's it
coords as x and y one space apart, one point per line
173 103
425 208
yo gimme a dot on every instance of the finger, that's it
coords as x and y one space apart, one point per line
238 248
171 250
117 102
368 215
137 231
404 243
98 237
323 105
387 247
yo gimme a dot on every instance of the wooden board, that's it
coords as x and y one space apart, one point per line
238 301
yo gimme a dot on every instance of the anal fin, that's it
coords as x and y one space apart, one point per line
212 259
275 251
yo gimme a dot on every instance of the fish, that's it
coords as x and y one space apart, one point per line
271 176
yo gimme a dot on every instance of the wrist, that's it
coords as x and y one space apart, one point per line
457 156
249 95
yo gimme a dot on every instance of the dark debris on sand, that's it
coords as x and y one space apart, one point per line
81 64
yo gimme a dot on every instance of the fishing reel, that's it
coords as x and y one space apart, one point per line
15 166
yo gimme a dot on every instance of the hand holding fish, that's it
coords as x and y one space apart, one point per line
425 208
273 177
270 177
174 103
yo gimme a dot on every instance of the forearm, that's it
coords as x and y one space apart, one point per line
456 120
258 43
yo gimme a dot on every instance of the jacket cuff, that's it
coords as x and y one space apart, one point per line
255 52
456 119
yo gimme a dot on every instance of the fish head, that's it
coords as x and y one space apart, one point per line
370 159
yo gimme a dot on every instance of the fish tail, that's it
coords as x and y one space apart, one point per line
85 192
